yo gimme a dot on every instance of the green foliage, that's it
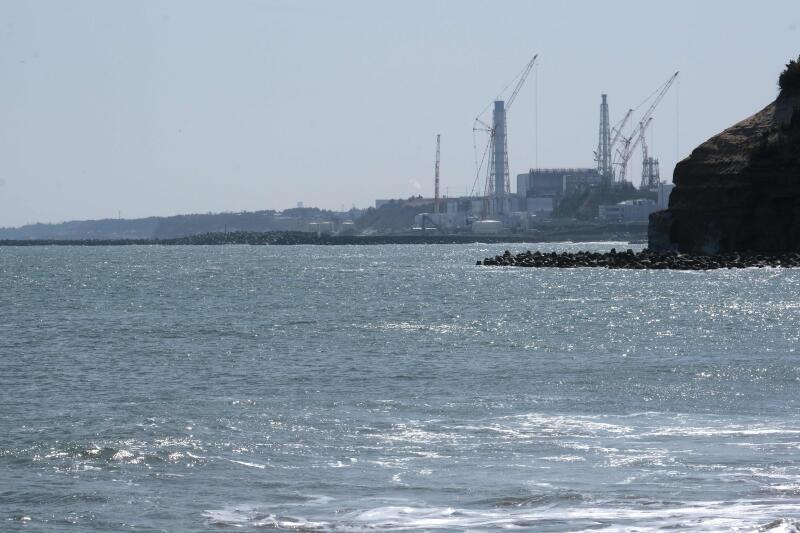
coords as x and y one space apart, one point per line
305 212
393 216
789 80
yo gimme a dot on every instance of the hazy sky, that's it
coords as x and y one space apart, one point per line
164 107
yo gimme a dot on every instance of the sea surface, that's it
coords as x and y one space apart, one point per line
392 388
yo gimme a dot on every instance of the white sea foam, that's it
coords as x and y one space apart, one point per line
726 431
742 516
564 458
251 465
561 425
122 455
250 517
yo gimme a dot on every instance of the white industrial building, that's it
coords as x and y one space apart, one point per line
487 227
555 182
664 192
628 211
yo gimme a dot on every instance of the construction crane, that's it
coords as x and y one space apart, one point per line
650 172
617 130
628 145
603 155
631 146
497 179
436 177
522 77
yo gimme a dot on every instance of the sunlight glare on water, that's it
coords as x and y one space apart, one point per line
392 388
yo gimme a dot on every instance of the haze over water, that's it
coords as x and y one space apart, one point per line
390 388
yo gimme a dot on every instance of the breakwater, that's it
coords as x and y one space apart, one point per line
279 238
298 238
645 259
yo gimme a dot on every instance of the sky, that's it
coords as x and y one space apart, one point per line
136 108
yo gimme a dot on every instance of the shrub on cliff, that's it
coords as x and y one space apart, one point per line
789 80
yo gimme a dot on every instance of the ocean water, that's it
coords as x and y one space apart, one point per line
392 388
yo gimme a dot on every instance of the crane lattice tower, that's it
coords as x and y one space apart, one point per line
651 175
604 167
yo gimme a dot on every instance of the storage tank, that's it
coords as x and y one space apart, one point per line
487 227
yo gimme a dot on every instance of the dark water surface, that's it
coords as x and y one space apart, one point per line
391 388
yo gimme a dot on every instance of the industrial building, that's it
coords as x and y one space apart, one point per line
628 211
555 183
450 218
664 192
541 190
637 210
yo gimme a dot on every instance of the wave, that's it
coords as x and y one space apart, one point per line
518 514
251 465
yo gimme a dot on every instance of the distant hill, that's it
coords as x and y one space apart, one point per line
110 228
176 226
396 215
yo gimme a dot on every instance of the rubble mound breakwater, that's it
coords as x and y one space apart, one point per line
645 259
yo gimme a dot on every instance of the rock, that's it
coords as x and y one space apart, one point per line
740 190
645 259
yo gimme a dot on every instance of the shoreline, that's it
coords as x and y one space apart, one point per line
283 238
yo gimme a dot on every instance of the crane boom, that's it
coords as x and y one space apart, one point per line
619 127
631 146
640 137
497 180
661 93
522 77
629 143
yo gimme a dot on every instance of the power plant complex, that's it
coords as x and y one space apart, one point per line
541 192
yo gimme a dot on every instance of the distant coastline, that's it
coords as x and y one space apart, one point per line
587 233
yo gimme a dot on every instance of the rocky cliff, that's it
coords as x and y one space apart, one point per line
740 190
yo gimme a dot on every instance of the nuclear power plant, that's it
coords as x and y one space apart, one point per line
542 193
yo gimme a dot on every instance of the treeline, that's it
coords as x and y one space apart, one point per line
125 230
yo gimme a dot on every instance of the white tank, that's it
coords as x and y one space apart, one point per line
487 227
